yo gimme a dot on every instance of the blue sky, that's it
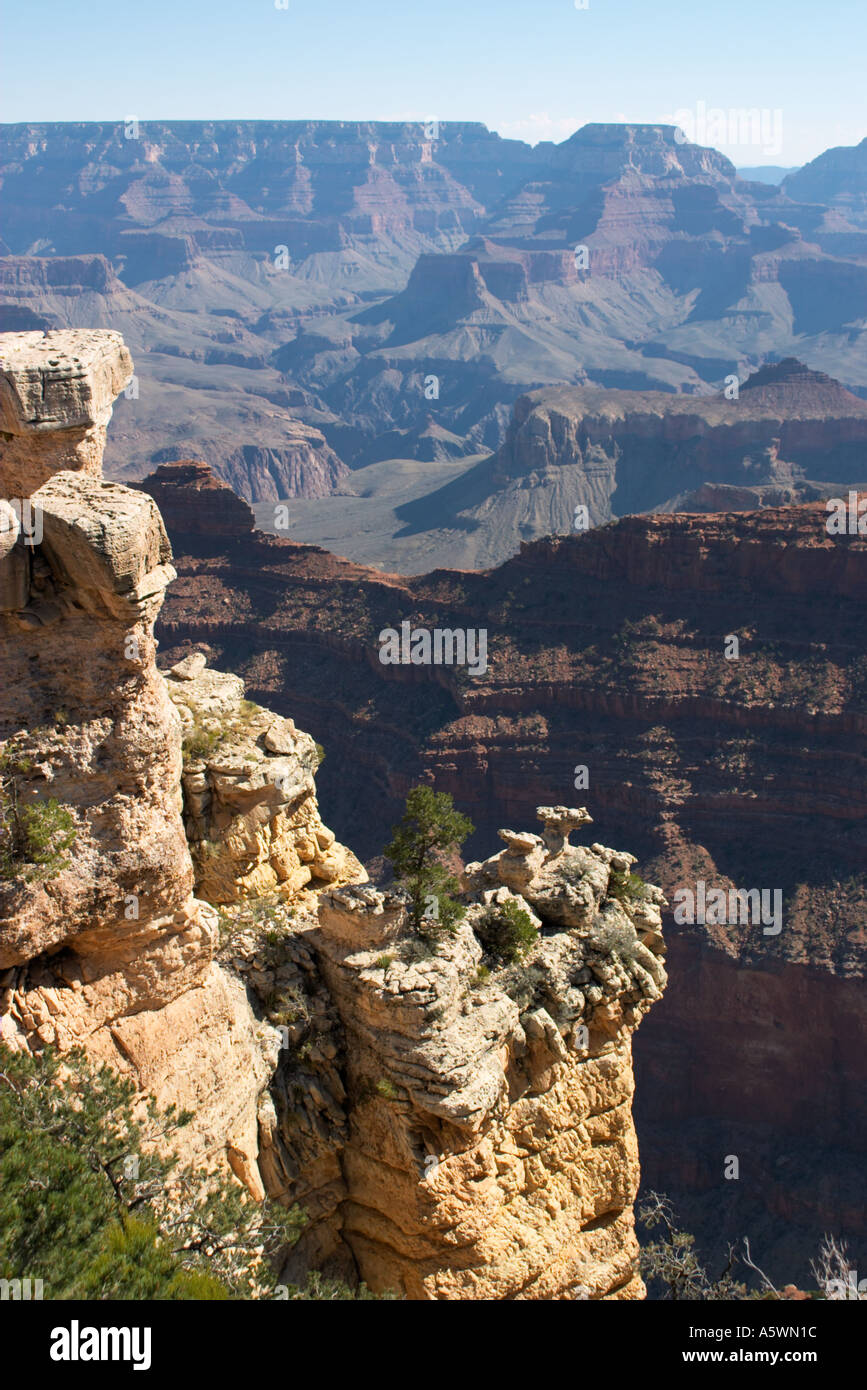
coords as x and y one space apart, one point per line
534 69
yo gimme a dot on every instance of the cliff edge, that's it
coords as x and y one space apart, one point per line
456 1124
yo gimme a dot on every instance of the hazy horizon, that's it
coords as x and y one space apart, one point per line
530 71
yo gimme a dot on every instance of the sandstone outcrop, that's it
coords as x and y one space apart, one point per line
837 176
108 948
250 809
490 1150
56 395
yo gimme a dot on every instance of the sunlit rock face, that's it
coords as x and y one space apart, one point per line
56 395
490 1150
111 950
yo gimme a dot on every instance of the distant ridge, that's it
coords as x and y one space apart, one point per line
791 385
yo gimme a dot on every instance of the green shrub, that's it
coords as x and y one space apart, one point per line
37 834
200 742
672 1269
416 949
617 939
387 1089
506 932
623 885
333 1290
76 1212
286 1005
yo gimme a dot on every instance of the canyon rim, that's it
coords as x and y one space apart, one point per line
433 679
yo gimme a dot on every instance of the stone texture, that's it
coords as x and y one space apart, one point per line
249 794
490 1151
56 395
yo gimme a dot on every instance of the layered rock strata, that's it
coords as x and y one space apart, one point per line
453 1129
107 947
491 1152
214 511
791 435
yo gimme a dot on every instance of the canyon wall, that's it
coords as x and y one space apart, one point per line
790 435
607 666
108 947
455 1124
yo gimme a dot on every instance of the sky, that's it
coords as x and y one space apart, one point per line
530 69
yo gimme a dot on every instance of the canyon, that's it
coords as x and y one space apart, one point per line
607 671
309 298
577 457
451 1130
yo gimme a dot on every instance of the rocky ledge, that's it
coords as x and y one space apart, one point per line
250 809
56 395
455 1119
491 1152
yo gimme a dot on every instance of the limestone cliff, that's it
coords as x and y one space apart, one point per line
490 1151
454 1125
111 950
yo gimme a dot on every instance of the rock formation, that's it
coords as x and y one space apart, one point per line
837 176
112 951
607 662
452 1129
791 435
249 796
56 394
490 1149
219 514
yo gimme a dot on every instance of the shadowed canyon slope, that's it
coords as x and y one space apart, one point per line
606 652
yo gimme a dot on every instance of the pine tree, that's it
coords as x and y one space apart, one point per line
428 830
94 1202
